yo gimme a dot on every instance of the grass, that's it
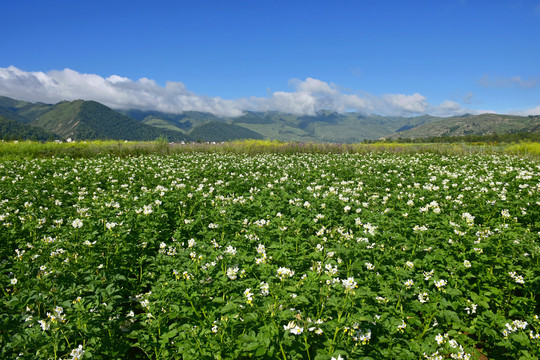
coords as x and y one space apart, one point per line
88 149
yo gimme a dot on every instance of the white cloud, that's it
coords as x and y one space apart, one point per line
399 104
307 96
114 91
447 108
310 96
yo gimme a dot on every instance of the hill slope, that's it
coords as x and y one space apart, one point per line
219 131
14 130
326 126
91 120
484 124
22 111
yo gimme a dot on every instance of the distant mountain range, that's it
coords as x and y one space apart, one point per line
89 120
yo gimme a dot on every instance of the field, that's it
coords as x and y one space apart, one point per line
321 255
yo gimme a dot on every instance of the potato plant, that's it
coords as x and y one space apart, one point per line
307 256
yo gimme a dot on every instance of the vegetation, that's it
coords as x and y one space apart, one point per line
88 120
91 120
320 256
474 125
218 131
88 149
490 139
14 130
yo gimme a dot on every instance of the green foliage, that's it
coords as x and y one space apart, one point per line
91 120
468 127
218 131
13 130
79 120
253 147
272 256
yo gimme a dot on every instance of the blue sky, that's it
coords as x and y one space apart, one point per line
375 56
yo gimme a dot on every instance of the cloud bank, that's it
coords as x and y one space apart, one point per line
308 96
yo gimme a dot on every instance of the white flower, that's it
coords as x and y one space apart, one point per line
145 304
349 284
230 250
409 264
409 283
147 209
44 325
77 353
439 284
293 328
428 274
77 223
517 278
331 270
13 281
418 229
231 272
440 338
369 266
361 335
471 309
467 263
248 295
283 272
338 358
468 218
423 297
264 288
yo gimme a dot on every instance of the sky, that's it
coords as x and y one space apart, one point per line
396 58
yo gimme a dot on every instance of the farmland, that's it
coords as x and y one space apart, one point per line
214 255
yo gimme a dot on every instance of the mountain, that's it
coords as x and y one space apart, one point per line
325 126
220 131
22 111
83 120
14 130
483 124
91 120
185 121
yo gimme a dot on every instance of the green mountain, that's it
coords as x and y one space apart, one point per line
92 120
326 126
483 124
15 130
22 111
220 131
83 120
185 121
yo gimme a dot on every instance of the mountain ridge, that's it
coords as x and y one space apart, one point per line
88 120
